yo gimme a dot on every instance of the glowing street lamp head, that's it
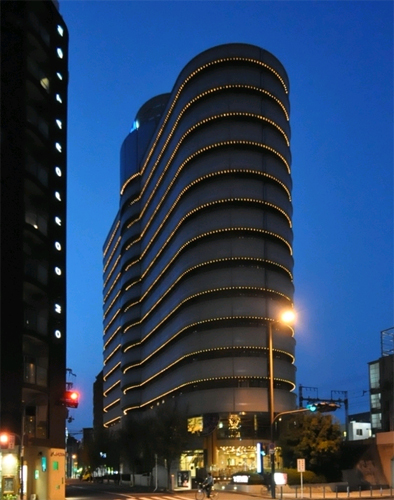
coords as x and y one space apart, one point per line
4 438
288 316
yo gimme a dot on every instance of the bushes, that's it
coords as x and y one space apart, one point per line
293 477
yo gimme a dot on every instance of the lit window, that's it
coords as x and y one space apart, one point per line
57 196
45 83
58 334
58 271
58 221
60 30
59 53
58 246
58 98
59 75
58 147
58 308
58 171
59 123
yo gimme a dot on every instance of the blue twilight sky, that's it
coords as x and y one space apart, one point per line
339 57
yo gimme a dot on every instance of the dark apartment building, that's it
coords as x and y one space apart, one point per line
381 385
34 76
198 263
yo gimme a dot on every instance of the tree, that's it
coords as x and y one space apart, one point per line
169 426
315 437
135 442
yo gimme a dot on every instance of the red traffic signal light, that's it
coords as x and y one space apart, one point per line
71 399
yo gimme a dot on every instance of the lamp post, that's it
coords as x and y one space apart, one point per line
286 317
8 438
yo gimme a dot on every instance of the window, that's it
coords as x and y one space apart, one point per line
375 401
359 432
374 375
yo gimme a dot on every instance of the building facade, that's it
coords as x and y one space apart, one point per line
34 76
198 262
381 385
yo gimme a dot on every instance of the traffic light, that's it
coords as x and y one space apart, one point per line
323 407
71 399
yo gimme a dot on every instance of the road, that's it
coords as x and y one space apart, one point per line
79 490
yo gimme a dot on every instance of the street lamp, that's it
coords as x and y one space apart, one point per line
8 439
286 317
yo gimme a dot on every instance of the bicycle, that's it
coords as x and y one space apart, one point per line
201 493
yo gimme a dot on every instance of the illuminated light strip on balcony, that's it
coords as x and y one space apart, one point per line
176 97
206 205
106 408
171 261
111 371
202 150
132 284
110 356
112 286
111 238
111 320
235 114
244 377
134 221
169 264
111 304
111 422
192 102
107 391
111 337
193 156
187 133
192 354
193 325
108 260
135 303
203 264
210 379
112 270
210 233
200 294
221 172
137 261
228 200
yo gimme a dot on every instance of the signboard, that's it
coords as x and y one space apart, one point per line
183 479
300 464
280 478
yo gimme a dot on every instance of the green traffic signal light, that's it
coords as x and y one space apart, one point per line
323 407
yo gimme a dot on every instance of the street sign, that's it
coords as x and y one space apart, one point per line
271 448
300 464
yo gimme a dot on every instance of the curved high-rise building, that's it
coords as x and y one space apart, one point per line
199 261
